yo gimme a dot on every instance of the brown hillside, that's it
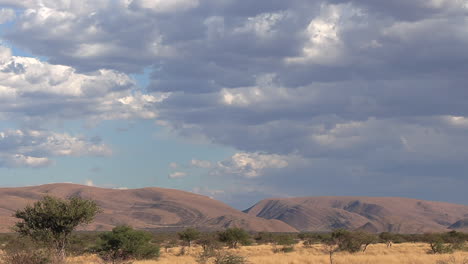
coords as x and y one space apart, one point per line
364 213
150 208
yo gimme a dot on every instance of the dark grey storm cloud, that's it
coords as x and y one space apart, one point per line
362 92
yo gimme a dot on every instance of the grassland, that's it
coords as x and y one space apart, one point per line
406 253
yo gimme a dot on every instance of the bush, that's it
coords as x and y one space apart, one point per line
189 235
437 244
124 243
209 243
264 238
229 258
285 249
82 243
210 246
438 247
310 239
456 239
234 236
24 251
26 257
286 241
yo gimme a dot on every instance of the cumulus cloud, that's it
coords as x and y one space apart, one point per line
32 89
33 148
323 44
357 88
250 165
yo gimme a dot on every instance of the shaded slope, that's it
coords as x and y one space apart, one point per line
461 225
150 208
365 213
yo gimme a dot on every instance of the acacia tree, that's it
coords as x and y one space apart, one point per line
365 239
52 220
189 235
234 236
343 240
334 242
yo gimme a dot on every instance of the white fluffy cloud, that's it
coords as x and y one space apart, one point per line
323 35
251 165
33 148
32 89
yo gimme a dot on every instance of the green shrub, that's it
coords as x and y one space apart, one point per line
233 237
189 235
124 243
438 247
286 241
437 243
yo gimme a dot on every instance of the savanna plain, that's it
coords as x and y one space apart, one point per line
404 253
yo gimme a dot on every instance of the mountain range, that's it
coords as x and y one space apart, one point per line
372 214
169 209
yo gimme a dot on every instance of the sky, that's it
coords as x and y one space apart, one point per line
237 100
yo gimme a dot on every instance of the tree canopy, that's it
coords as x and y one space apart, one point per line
52 220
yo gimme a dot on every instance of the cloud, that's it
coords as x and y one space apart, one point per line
161 6
250 165
323 44
204 164
358 90
35 90
6 15
177 175
33 148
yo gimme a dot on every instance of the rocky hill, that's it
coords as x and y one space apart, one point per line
168 209
364 213
147 208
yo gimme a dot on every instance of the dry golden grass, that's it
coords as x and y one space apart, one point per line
408 253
